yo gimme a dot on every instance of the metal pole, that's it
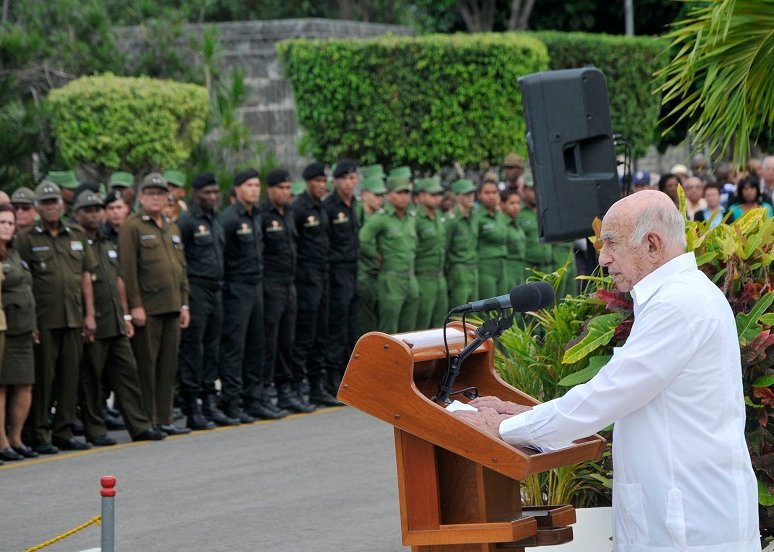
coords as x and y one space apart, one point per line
108 512
629 17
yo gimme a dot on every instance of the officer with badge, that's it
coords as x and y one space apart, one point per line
431 254
462 240
279 295
390 236
203 241
110 356
242 344
152 264
344 254
62 265
313 250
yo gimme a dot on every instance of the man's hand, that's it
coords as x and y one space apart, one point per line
129 329
89 328
499 406
138 316
486 419
185 318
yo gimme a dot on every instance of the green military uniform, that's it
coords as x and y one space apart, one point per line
492 251
368 269
514 261
461 250
430 259
153 266
110 357
58 264
536 255
560 252
392 240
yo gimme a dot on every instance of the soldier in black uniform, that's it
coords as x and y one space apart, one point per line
61 263
110 357
242 340
116 212
203 240
344 295
313 247
279 293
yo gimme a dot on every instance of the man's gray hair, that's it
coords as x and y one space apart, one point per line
666 221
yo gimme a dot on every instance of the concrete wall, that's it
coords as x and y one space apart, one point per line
269 110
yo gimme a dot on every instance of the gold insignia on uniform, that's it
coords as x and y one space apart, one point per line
202 228
275 223
341 215
311 220
244 229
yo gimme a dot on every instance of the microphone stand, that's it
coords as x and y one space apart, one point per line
490 328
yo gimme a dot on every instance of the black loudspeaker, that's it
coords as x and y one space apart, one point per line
571 150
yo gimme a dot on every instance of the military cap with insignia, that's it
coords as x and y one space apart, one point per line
121 179
513 161
398 183
373 184
430 185
463 186
88 198
23 196
175 178
153 180
47 190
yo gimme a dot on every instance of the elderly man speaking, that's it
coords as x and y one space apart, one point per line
682 480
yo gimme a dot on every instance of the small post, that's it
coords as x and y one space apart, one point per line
108 512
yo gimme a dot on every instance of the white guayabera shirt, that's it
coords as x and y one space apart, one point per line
682 477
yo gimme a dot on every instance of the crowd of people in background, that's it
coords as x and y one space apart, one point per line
249 310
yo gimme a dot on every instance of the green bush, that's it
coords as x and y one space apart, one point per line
629 64
427 102
136 124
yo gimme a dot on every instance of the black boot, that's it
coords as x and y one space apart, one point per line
233 410
195 419
319 395
289 400
214 414
265 409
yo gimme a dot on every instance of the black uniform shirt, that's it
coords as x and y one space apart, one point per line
109 232
203 240
243 251
279 235
312 226
345 247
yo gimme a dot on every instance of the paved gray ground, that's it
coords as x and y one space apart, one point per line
322 482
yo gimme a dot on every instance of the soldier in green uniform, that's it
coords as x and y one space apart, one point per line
431 254
492 248
110 357
390 236
536 255
372 192
515 239
152 262
462 240
369 202
123 183
58 256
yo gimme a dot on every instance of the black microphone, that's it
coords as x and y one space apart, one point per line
526 297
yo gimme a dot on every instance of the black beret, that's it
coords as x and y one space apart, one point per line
277 176
204 179
112 197
313 170
247 174
344 167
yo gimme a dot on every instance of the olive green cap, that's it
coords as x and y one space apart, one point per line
513 161
430 185
298 187
121 179
403 172
64 179
398 183
373 184
371 170
175 178
463 186
529 182
154 180
23 196
47 190
87 198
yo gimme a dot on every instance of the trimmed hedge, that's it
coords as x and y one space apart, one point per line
628 64
138 124
428 101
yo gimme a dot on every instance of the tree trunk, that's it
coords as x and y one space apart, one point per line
346 10
520 12
477 14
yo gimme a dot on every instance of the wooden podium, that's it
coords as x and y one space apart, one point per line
458 486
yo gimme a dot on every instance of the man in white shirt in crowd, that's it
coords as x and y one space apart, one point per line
682 478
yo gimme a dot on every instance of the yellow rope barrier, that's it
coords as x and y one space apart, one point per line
95 519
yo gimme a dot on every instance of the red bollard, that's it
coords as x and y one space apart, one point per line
108 493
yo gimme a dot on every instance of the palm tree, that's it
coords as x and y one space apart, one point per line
721 75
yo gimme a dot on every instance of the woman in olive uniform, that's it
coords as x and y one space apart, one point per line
18 366
516 239
492 232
